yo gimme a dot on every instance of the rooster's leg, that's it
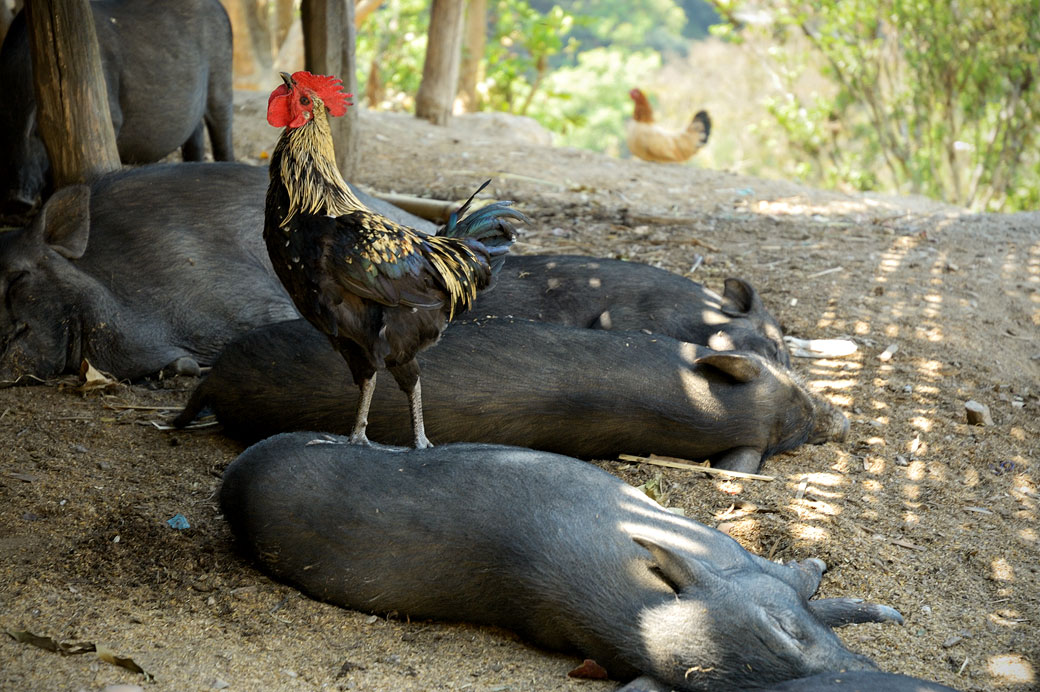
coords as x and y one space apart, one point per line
407 376
419 430
368 388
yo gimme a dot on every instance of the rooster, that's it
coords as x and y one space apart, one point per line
651 142
380 291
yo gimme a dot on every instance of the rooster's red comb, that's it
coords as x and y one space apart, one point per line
326 87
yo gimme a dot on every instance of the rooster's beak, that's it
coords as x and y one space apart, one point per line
287 78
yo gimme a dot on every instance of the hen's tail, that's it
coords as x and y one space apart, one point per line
701 123
491 225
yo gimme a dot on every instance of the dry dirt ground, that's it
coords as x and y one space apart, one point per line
916 509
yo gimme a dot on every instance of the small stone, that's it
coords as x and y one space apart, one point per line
219 684
79 449
908 389
927 610
955 639
977 414
901 460
122 688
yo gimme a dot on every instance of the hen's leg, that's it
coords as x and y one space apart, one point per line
357 435
407 376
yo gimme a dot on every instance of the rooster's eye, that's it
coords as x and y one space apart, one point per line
304 101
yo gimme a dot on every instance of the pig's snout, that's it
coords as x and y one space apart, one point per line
831 424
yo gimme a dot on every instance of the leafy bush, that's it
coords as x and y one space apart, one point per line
932 98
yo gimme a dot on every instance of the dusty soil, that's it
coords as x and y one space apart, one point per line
916 509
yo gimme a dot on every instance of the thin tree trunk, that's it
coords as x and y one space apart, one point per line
441 68
329 41
474 42
253 55
281 19
363 8
71 98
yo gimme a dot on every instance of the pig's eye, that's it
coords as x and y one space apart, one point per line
304 101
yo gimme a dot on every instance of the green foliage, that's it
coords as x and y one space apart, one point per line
632 25
586 105
521 43
926 97
519 48
394 38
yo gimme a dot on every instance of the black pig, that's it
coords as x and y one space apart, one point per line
153 267
167 68
566 555
611 294
582 392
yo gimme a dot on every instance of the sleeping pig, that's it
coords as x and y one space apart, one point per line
612 294
583 392
167 69
560 552
145 269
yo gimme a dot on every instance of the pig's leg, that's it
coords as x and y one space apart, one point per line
220 139
407 377
219 116
743 459
838 612
194 149
804 576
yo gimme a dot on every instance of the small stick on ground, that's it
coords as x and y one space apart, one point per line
673 463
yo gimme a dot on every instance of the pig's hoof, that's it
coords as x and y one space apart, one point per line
889 614
185 365
819 563
838 612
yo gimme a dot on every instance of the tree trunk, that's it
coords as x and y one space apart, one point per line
71 98
251 40
281 19
441 69
474 41
329 40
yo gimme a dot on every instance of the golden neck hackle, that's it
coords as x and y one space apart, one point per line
307 160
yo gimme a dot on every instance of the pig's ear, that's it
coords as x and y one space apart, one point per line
680 573
741 367
64 221
739 298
